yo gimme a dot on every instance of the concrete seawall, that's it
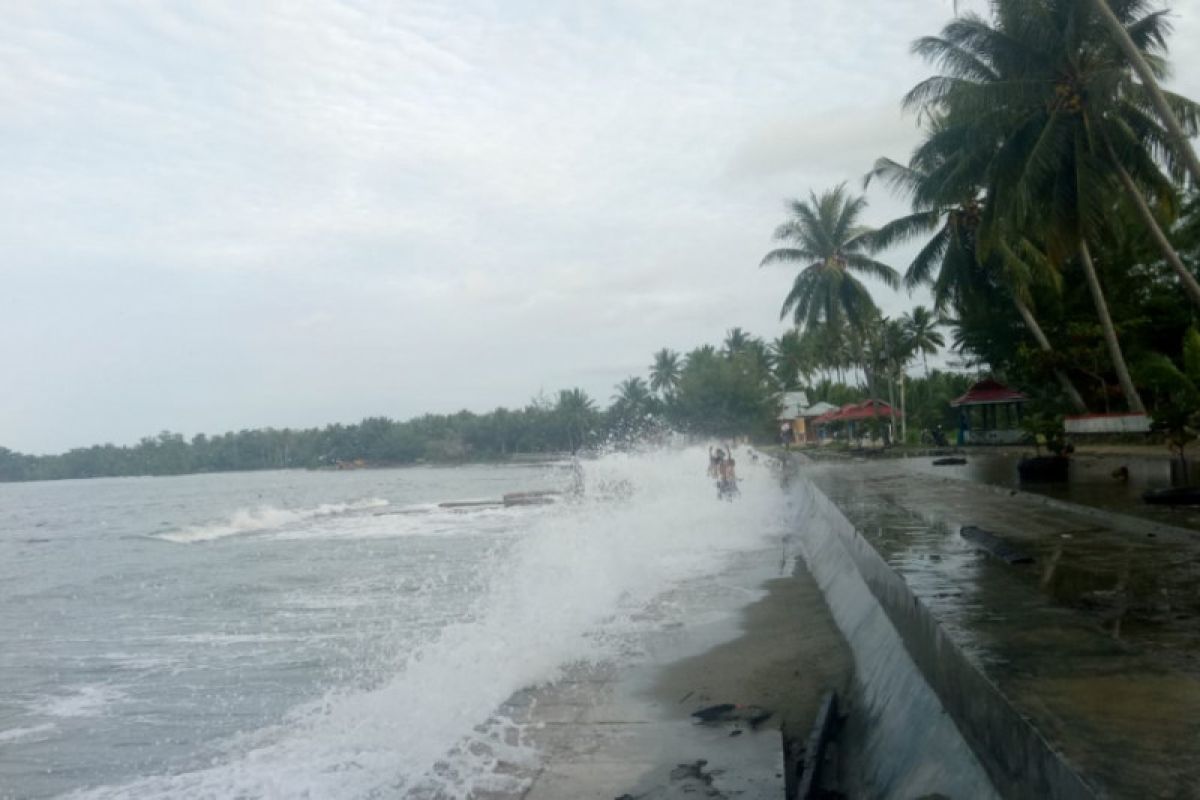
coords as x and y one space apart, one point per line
931 722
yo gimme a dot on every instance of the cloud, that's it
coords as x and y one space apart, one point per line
838 142
223 215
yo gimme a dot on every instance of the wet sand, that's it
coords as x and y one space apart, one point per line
606 731
789 653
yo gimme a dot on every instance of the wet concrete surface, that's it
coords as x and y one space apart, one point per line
906 744
1096 643
623 727
1091 481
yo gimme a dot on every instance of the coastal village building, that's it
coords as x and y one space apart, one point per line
990 413
853 418
797 413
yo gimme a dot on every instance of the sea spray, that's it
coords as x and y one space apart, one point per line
265 518
561 587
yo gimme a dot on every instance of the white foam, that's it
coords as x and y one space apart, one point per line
265 518
426 521
33 731
577 573
81 701
139 661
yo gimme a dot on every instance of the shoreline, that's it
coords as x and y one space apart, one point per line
609 731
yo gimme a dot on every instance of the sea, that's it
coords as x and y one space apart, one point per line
331 634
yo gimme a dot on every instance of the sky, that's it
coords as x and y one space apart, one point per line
228 215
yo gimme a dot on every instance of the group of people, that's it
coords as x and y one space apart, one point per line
723 468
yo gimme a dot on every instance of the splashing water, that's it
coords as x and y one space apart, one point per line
265 518
468 619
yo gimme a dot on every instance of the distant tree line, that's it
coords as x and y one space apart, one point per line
708 392
719 392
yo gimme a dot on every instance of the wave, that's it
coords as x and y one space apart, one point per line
571 582
18 734
265 518
82 701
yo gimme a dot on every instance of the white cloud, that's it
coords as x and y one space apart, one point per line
223 215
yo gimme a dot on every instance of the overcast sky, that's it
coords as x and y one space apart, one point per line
224 215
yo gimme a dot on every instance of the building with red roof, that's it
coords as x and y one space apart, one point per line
990 413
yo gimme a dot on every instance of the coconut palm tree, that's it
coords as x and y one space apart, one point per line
791 359
700 355
633 405
1148 73
921 327
633 392
1044 92
664 372
576 414
898 347
736 341
943 181
823 237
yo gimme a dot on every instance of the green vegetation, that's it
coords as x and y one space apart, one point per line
1059 238
711 392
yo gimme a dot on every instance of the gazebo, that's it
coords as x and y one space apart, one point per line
990 413
854 413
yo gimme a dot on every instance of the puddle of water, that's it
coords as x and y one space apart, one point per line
1091 481
1093 641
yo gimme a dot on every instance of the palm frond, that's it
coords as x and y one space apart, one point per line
875 269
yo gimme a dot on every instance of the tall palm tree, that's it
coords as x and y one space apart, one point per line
1148 75
823 237
664 372
943 180
576 414
1044 91
791 359
633 392
736 341
632 406
920 325
898 346
700 355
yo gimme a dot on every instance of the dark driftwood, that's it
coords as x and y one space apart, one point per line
949 461
994 545
1044 469
1179 496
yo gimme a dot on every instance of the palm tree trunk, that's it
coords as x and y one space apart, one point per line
1185 276
869 378
892 403
1132 398
1063 380
1179 139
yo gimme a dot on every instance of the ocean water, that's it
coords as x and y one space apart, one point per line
328 634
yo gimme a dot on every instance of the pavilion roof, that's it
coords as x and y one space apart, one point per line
852 412
988 392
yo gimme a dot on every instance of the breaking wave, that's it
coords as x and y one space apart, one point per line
265 518
570 582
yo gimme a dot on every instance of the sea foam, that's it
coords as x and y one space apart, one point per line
574 576
265 518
